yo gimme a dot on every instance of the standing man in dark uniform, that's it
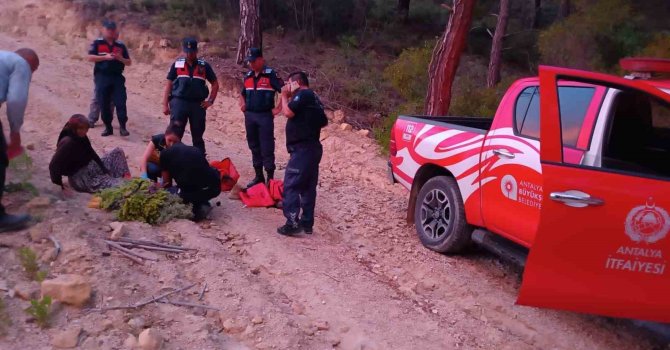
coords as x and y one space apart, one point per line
305 119
186 94
258 104
110 57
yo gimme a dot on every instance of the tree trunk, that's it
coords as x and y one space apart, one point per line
493 76
564 9
446 57
536 8
403 10
250 28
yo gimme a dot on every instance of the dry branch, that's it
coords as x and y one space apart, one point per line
152 300
184 303
57 245
128 251
152 243
120 249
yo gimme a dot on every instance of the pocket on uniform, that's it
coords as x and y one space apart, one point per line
292 171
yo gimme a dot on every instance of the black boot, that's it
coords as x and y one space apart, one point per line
201 211
290 229
13 222
123 131
260 178
108 131
271 175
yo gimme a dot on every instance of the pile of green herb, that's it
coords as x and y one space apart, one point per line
141 200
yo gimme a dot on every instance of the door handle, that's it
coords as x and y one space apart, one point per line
503 153
576 199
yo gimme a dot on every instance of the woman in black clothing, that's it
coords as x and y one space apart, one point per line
150 167
76 159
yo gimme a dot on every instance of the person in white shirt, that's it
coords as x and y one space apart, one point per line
16 69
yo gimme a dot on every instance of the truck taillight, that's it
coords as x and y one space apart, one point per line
393 148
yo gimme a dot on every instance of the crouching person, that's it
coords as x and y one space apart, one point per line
150 162
197 181
306 117
76 159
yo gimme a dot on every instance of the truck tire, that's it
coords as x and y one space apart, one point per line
440 216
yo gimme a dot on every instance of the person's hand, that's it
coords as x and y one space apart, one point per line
206 104
109 57
243 107
166 108
14 147
286 90
67 191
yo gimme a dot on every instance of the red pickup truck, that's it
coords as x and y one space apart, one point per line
584 207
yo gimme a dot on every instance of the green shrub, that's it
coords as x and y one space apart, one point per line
595 37
408 74
140 200
41 311
28 260
658 47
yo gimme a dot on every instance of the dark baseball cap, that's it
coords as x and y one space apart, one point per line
254 53
189 45
109 24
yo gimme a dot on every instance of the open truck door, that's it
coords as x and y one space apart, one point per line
603 242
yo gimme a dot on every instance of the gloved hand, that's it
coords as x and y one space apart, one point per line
144 176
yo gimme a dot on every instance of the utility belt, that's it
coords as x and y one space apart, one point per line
183 99
307 144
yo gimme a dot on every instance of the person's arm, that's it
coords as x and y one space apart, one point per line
166 97
277 110
286 110
95 57
17 100
211 78
242 102
167 179
99 58
98 161
125 57
145 158
57 166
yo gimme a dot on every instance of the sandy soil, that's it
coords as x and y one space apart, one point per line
362 281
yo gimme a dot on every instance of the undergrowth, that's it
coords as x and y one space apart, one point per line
141 200
21 168
29 262
5 321
40 310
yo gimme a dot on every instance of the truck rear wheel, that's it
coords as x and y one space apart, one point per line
440 216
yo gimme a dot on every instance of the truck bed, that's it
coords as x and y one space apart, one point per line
475 124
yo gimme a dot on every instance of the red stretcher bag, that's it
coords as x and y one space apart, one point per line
229 174
257 196
276 188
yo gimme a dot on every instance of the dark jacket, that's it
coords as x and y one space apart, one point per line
72 154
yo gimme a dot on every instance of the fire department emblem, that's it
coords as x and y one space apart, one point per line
509 187
647 223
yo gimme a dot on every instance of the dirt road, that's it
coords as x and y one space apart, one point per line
362 281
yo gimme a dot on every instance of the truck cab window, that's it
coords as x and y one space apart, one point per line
574 102
637 137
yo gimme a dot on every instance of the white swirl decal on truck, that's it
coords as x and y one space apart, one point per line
460 152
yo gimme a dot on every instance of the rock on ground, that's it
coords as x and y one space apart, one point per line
67 339
68 289
130 343
118 230
150 339
26 290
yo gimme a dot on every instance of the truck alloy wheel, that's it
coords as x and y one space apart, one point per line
435 214
440 214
